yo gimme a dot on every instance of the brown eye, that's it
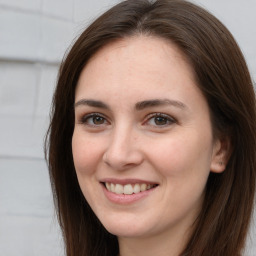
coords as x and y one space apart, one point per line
97 120
159 120
94 120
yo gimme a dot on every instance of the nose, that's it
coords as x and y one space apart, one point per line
123 150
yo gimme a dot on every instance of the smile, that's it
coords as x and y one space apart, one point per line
128 189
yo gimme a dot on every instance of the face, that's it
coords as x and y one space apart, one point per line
142 143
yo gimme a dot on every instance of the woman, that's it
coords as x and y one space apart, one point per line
151 146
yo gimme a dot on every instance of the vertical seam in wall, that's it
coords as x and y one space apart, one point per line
41 6
73 10
37 89
38 68
40 32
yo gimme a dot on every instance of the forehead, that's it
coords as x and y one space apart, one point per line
135 69
137 54
150 48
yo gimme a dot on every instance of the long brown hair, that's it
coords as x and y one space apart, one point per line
222 76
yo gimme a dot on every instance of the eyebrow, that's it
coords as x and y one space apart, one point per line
138 106
159 102
92 103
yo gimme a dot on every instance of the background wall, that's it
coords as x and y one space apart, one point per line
34 35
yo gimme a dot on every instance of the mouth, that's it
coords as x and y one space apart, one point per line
128 189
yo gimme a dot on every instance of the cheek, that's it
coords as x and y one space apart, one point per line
86 154
183 156
184 165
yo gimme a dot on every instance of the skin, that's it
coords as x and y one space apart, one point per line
125 140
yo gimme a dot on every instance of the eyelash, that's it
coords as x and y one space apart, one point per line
169 120
85 119
166 118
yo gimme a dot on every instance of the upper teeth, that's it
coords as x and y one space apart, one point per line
127 189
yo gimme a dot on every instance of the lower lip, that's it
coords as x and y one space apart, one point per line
126 199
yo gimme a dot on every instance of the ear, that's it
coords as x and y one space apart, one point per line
221 154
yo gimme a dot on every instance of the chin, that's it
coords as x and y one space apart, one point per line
125 228
125 232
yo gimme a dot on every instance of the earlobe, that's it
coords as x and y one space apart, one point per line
221 154
218 167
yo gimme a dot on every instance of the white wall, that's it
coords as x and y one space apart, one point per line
34 35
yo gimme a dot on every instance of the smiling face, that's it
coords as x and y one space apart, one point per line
142 144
